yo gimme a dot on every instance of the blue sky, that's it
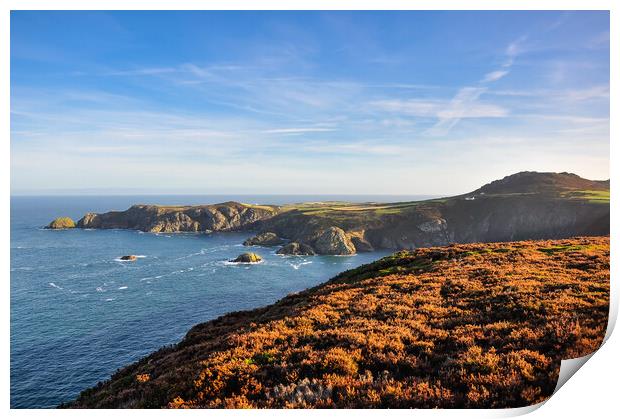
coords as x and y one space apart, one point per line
304 102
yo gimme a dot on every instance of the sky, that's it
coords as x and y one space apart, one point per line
317 102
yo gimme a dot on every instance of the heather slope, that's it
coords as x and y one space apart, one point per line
479 325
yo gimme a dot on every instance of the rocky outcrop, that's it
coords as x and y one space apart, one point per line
264 239
334 241
61 223
248 258
361 244
433 226
296 249
523 206
227 216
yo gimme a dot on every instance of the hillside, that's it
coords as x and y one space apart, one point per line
534 182
523 206
479 325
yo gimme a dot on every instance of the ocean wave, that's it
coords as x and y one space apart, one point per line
55 286
299 265
230 262
202 252
124 287
22 268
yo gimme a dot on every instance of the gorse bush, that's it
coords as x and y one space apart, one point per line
480 326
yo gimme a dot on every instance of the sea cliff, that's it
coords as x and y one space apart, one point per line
526 205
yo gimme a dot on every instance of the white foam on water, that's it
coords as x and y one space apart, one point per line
299 265
99 289
202 252
110 299
231 263
124 287
55 286
23 268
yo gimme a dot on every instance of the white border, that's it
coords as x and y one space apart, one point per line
592 393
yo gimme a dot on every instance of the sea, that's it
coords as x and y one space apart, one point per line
79 313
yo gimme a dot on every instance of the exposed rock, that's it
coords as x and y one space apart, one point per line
264 239
433 226
130 258
227 216
173 222
248 258
90 220
296 249
361 245
61 223
334 241
519 207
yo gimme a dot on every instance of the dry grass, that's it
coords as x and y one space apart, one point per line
477 326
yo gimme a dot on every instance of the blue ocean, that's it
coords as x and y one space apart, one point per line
78 313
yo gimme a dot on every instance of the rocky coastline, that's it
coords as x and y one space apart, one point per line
524 206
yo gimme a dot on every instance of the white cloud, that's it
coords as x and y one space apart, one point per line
494 76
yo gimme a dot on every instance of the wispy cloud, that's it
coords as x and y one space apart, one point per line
312 108
465 103
494 76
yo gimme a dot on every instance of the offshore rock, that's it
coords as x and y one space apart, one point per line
296 249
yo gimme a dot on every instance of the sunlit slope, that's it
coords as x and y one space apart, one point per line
479 325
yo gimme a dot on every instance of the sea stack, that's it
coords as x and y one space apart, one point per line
61 223
296 249
248 258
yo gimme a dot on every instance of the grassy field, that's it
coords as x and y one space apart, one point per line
596 197
474 326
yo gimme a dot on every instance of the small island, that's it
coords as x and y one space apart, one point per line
61 223
247 258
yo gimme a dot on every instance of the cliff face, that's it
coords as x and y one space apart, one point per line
523 206
206 218
489 219
463 326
